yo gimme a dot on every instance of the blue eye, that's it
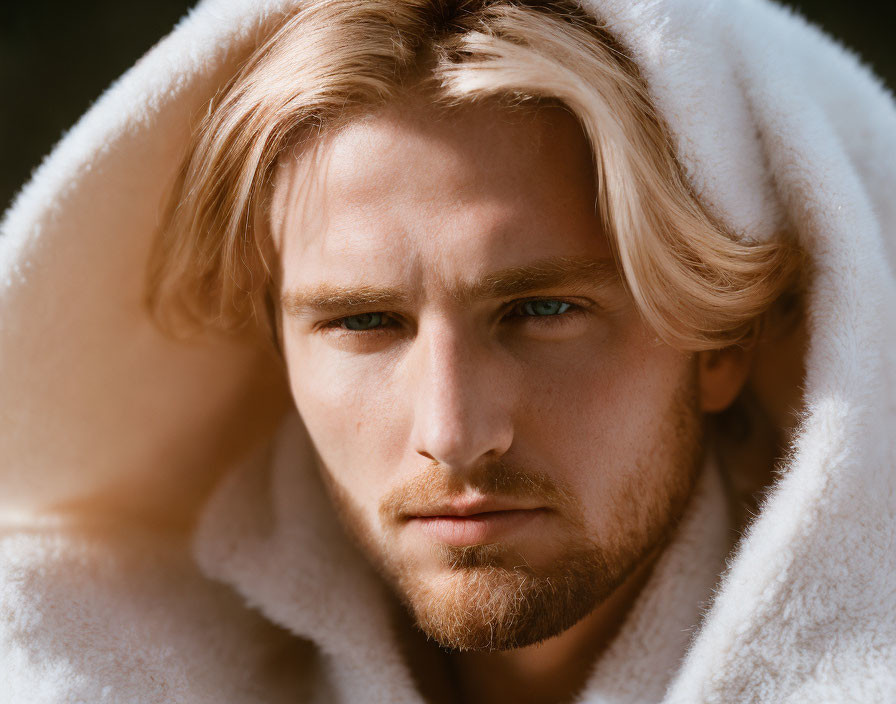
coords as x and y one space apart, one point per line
363 321
544 307
547 309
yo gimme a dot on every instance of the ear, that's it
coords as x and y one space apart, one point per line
722 374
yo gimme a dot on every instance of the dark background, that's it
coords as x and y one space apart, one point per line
56 57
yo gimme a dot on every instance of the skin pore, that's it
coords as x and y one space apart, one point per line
459 341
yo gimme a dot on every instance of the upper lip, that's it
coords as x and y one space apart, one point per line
470 507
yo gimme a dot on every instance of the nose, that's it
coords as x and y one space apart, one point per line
462 399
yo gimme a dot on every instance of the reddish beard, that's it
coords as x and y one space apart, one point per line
489 597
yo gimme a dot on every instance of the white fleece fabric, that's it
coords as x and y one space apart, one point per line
150 546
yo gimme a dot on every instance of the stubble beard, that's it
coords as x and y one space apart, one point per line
488 597
491 599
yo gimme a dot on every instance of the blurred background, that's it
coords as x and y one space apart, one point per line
57 57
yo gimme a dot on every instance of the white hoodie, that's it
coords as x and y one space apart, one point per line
162 535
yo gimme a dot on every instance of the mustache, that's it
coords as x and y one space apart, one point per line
437 485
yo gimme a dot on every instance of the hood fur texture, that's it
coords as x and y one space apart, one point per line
149 545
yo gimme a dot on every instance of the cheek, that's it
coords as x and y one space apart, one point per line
603 425
353 419
602 388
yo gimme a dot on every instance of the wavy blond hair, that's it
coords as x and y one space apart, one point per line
334 60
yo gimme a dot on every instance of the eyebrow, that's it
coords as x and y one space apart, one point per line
554 272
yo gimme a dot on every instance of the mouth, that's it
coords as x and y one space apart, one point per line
469 505
477 528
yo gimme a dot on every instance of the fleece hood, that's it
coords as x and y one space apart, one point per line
162 538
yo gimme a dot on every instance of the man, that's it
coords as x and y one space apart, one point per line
507 324
523 443
446 292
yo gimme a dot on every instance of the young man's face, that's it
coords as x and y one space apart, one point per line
498 427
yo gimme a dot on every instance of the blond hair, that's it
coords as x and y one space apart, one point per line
212 264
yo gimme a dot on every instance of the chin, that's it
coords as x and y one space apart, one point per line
483 601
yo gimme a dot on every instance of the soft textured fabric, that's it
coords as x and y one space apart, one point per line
150 550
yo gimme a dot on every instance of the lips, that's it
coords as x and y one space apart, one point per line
475 523
470 506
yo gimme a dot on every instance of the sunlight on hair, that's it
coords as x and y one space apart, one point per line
698 285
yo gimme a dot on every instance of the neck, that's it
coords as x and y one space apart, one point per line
549 672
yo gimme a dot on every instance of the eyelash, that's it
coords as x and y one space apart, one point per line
574 311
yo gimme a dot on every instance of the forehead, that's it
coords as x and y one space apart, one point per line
474 188
474 150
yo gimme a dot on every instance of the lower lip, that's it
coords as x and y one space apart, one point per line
478 528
